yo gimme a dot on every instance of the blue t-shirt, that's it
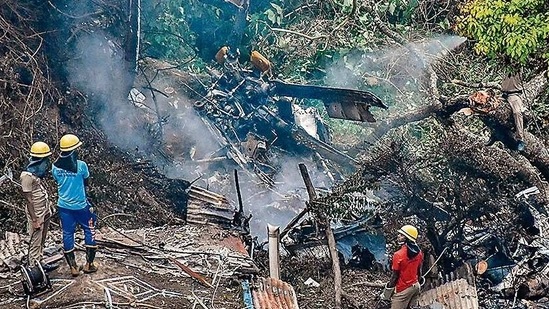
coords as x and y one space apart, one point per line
70 186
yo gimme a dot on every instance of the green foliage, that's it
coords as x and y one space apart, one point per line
399 11
166 32
275 14
517 29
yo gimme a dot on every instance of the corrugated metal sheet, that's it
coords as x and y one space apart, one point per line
457 294
270 293
457 291
206 207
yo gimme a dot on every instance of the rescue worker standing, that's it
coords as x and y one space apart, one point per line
511 87
404 285
72 176
38 208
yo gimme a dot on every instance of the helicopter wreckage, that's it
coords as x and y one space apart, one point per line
250 115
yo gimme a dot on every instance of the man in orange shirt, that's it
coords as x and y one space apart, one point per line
403 288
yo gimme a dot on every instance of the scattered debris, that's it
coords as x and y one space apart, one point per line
190 272
311 282
11 251
135 268
8 175
132 289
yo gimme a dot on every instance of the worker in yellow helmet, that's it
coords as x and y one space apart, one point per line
38 206
404 286
72 176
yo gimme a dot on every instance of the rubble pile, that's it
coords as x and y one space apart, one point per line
201 248
164 266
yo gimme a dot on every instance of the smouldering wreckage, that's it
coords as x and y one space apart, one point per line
255 124
243 112
251 120
251 115
182 266
494 264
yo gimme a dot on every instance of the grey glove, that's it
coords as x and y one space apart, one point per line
91 206
387 293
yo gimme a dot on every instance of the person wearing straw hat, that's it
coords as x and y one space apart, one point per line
38 208
404 286
71 176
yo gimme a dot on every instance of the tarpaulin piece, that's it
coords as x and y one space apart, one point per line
499 266
376 244
247 295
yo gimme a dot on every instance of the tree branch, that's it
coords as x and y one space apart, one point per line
492 85
495 161
311 38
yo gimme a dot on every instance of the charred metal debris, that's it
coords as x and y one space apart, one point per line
250 114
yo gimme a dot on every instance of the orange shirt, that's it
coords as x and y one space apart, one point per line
407 268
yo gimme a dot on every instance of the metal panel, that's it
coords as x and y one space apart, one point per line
350 111
206 207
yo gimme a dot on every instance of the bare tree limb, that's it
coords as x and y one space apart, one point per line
329 236
353 9
311 38
492 85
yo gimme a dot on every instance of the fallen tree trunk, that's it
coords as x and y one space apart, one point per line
494 161
501 122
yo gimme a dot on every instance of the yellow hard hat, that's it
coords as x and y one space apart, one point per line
69 142
409 232
40 150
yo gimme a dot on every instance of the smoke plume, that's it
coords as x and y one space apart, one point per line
144 124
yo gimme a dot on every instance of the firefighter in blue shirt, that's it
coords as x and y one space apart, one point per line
71 176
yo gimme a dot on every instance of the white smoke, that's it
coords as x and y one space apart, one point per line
100 71
396 73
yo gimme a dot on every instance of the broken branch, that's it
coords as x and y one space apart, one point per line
311 38
329 235
190 272
492 85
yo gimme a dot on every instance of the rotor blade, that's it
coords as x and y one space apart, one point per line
326 94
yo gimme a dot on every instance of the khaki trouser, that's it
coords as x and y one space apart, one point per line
37 240
405 299
516 105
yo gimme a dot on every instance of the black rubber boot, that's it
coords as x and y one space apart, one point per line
49 267
90 267
71 260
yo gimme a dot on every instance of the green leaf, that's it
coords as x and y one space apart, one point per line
271 16
392 8
278 9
